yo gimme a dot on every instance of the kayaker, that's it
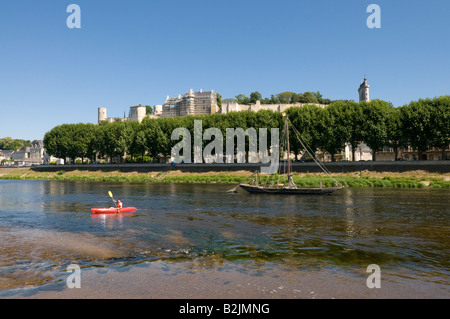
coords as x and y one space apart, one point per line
119 204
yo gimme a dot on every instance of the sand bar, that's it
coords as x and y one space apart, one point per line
200 279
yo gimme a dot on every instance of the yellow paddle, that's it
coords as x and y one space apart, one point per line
111 195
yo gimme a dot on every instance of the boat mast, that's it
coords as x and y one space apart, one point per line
291 183
288 150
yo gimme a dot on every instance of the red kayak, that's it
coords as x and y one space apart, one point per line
112 210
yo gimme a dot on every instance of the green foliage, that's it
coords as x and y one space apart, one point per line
219 100
281 98
421 124
426 123
149 110
331 133
394 131
8 143
255 96
242 99
306 120
373 128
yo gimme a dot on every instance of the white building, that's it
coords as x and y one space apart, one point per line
363 91
137 114
31 155
362 153
191 103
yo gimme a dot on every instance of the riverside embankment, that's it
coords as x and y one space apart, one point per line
350 174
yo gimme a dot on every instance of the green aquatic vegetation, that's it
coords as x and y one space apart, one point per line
440 184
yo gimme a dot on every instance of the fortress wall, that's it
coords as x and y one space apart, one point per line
235 107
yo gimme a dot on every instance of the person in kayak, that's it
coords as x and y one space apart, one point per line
119 204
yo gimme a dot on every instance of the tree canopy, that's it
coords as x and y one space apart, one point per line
420 124
8 143
281 98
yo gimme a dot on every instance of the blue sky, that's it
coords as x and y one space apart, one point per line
139 51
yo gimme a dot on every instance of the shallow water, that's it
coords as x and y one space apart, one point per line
47 225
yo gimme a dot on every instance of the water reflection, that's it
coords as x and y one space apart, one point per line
109 221
349 213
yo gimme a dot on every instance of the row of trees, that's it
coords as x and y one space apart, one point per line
281 98
421 125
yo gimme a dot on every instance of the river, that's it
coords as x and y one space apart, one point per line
47 225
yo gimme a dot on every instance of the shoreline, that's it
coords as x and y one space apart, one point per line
366 178
204 279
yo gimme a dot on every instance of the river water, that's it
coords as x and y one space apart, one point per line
47 225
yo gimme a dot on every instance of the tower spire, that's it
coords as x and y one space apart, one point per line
364 91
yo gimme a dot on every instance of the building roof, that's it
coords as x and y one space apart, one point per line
364 83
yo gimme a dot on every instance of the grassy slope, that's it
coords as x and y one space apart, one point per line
413 179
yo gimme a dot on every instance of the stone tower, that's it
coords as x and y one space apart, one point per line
364 91
101 114
137 113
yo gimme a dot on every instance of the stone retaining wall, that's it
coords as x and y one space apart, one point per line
337 167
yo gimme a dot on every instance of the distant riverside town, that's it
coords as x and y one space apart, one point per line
208 103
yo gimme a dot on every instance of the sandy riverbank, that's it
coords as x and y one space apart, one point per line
206 280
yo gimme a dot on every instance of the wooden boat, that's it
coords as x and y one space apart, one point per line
288 187
288 190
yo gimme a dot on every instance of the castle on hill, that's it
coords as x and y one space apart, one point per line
205 102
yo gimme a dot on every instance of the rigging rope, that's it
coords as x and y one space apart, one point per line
309 150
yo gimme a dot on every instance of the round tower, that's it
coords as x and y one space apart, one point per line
137 113
364 91
101 114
